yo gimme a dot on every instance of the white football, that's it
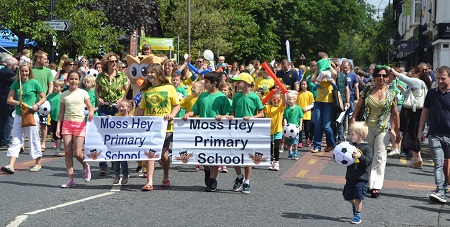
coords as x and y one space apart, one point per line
45 108
343 152
92 72
291 131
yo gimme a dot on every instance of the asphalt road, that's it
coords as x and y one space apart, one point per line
307 192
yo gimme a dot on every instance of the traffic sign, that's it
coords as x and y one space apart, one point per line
59 25
302 57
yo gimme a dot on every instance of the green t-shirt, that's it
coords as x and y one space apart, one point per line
182 91
93 99
54 100
311 85
43 76
393 86
211 105
31 90
246 105
293 115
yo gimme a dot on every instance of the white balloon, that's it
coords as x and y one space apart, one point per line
186 56
209 55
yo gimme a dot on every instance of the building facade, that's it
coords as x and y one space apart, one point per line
423 32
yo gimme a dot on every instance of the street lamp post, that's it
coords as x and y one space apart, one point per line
189 27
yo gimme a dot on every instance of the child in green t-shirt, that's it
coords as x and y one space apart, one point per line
210 104
293 114
89 84
181 91
54 99
246 105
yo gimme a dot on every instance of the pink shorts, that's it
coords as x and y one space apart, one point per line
74 128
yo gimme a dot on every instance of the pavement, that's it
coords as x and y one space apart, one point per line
305 192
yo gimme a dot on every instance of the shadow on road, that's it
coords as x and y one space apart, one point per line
313 217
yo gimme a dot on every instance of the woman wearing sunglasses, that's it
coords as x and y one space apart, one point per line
419 83
380 108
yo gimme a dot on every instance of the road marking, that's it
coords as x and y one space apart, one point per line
312 161
21 218
302 173
403 160
421 186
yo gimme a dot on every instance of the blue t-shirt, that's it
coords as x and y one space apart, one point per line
352 79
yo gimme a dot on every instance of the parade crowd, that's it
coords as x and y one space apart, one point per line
383 111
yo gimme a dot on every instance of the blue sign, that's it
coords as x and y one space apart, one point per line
405 46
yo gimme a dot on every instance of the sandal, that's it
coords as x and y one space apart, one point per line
35 169
416 164
43 149
7 169
166 183
147 187
375 193
328 149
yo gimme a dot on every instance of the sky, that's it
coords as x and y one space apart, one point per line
381 3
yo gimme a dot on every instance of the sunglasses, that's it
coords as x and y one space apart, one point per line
200 61
381 75
71 64
113 61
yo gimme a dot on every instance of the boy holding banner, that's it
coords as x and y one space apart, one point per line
210 104
246 105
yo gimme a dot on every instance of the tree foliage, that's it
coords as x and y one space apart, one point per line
258 29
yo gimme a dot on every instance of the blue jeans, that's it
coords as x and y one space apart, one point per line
117 165
323 114
104 111
6 125
439 149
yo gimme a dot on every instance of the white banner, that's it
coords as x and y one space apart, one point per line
124 138
205 141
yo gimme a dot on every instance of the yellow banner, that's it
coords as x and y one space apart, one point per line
407 6
157 43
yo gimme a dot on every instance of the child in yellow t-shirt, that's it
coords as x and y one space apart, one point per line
274 110
189 101
305 100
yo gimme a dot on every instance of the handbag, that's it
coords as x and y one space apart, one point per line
338 106
26 112
415 101
361 110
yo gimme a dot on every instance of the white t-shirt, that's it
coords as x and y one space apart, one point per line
74 104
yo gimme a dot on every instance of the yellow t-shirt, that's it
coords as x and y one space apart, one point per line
159 101
324 92
74 104
188 102
275 113
264 84
305 99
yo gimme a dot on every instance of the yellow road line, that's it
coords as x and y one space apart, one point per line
302 173
403 160
312 161
421 186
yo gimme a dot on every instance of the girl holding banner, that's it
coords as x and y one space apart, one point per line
159 98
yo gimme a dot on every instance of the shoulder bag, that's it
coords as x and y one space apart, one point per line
338 106
26 112
415 101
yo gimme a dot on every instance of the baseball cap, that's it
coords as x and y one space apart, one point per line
244 77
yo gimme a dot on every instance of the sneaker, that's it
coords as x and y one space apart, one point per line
276 166
394 152
356 219
295 155
124 180
438 198
271 165
116 180
212 185
404 154
197 168
54 145
237 184
224 169
68 184
246 188
138 169
308 142
220 169
290 155
102 172
87 173
207 175
60 153
300 145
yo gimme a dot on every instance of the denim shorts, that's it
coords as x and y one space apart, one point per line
354 190
290 142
